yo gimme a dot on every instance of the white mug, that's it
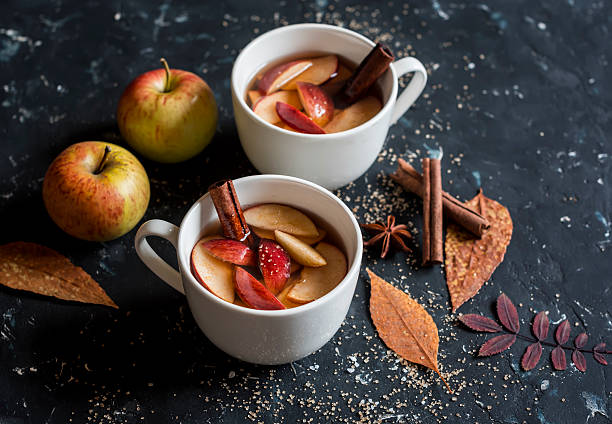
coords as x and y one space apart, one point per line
261 337
331 160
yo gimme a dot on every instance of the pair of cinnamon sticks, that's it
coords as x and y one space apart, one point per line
436 202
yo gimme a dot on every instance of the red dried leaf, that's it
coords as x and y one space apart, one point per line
531 357
497 344
578 360
581 340
563 332
557 357
506 312
480 323
540 326
598 355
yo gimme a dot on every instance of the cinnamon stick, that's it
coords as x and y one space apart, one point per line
230 214
366 74
411 180
432 212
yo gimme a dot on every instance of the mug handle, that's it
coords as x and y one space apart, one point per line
414 88
168 231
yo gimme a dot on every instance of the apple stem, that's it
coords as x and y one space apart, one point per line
100 167
167 68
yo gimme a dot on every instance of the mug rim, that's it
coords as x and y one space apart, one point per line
354 268
312 137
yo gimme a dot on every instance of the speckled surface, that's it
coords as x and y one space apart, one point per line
519 99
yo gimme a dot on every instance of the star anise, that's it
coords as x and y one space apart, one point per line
388 233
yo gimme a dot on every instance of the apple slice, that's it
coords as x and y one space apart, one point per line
295 267
354 115
272 216
317 104
239 302
264 234
317 282
274 264
274 78
211 272
231 251
253 95
282 296
265 107
301 252
337 81
253 293
321 70
296 119
314 240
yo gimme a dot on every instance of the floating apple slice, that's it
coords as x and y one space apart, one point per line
232 251
253 293
317 104
282 296
264 234
211 272
301 252
296 119
336 82
274 264
295 267
239 302
314 240
354 115
254 95
272 216
278 76
321 70
317 282
265 107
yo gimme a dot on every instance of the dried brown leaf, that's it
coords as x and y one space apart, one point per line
470 261
38 269
404 325
480 323
506 312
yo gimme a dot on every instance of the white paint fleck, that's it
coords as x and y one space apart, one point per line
544 385
594 404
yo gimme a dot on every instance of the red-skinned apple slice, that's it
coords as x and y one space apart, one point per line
253 293
317 104
354 115
274 264
265 107
273 79
296 119
317 282
231 251
321 70
212 273
272 216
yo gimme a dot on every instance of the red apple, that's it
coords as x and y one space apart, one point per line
321 70
265 107
167 115
296 119
231 251
273 79
317 104
96 191
274 264
253 293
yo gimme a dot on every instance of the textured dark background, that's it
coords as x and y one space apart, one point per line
519 98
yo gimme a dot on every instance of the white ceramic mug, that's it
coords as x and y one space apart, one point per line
331 160
261 337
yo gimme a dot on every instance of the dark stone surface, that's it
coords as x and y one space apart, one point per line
519 98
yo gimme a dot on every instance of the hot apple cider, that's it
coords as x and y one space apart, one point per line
319 93
269 256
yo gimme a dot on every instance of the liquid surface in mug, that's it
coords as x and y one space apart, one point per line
304 93
294 260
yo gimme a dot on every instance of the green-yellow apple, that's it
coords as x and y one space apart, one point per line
167 115
96 191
